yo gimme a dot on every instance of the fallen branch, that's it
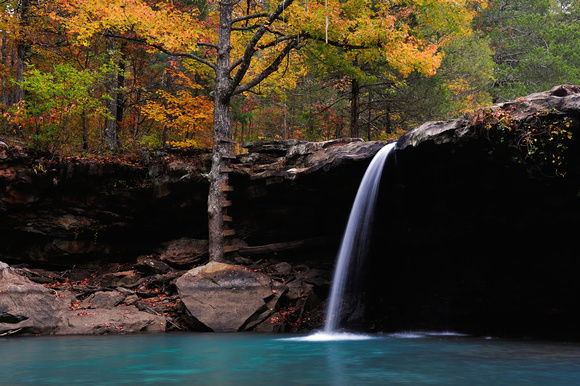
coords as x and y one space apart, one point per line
278 247
10 332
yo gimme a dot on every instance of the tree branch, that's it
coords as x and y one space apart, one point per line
250 17
251 49
273 67
160 47
277 41
210 45
333 43
264 46
249 28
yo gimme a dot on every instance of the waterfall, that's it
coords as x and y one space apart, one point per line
356 239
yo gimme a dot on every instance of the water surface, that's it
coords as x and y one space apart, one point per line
252 359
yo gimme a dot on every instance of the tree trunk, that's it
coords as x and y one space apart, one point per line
370 115
285 121
22 50
85 135
355 109
222 129
388 128
111 122
6 63
120 85
18 94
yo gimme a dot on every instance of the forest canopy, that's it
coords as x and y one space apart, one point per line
93 76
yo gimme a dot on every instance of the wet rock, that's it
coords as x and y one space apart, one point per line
228 298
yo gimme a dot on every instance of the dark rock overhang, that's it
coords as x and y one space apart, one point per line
284 190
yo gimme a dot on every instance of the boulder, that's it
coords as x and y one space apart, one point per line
25 306
185 251
106 321
228 298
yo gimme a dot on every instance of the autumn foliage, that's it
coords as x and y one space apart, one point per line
74 69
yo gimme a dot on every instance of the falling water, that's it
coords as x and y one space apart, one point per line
356 239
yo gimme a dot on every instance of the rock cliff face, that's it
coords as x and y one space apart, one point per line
83 212
478 222
475 228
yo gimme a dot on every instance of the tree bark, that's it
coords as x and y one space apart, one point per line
285 119
22 49
85 134
110 135
370 115
18 93
355 109
225 88
5 61
222 126
120 85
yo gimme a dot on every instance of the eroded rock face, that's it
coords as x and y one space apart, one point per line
475 222
228 298
83 211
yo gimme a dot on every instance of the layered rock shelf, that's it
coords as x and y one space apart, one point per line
475 231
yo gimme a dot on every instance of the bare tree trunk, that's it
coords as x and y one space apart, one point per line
355 109
242 132
285 116
15 88
18 93
388 125
285 120
6 63
120 85
22 49
85 135
370 115
111 122
222 127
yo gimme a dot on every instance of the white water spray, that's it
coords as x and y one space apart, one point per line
356 239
